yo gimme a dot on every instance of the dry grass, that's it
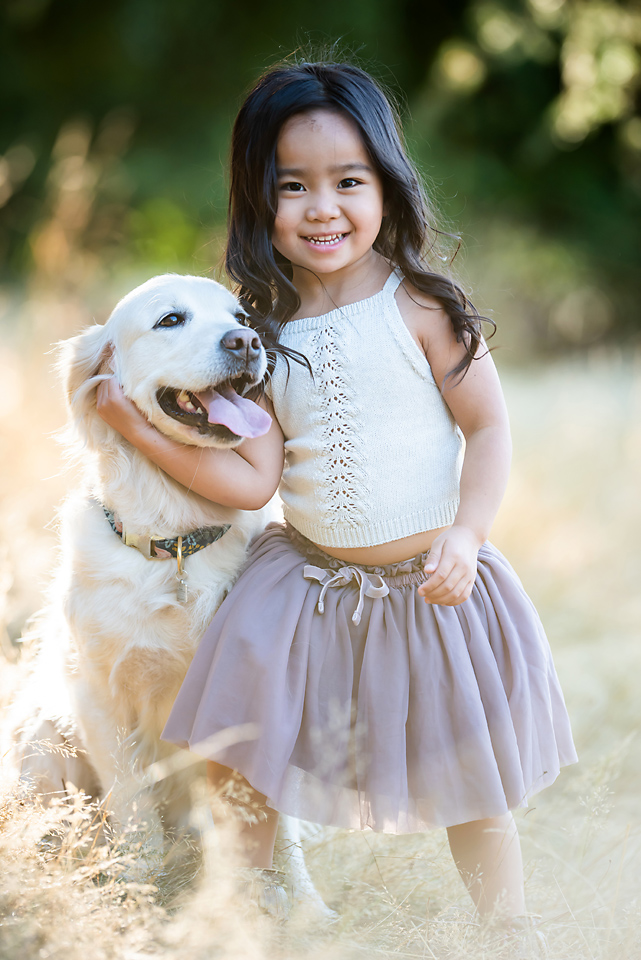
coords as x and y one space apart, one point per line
570 525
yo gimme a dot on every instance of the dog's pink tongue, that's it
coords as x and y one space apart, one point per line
243 417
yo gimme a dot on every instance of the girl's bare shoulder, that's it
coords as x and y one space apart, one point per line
425 318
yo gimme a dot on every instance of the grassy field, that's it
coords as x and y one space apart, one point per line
570 524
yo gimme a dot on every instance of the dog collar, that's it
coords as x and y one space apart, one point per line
164 548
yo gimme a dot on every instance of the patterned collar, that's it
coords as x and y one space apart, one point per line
161 548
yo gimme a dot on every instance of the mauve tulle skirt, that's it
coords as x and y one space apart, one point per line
413 717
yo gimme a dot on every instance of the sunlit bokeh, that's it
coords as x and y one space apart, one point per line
524 118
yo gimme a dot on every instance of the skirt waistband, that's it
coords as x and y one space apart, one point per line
399 574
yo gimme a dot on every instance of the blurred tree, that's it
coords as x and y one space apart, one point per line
114 121
156 84
532 109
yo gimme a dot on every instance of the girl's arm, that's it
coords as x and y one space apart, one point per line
478 406
245 477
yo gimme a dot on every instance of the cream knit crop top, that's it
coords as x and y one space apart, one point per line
373 453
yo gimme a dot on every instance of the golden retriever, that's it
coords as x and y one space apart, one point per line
122 627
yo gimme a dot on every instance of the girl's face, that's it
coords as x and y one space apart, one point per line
330 197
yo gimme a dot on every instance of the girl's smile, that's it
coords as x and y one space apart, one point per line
330 196
330 241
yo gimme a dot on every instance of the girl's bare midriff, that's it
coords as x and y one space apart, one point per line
382 553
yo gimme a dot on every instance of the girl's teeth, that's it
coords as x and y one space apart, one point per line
326 241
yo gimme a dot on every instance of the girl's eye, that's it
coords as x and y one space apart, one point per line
292 187
349 182
171 320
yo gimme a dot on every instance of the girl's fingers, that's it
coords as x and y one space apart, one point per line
436 579
116 409
108 388
451 599
107 395
450 569
452 590
110 395
434 557
439 572
444 594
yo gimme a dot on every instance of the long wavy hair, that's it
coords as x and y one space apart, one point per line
407 238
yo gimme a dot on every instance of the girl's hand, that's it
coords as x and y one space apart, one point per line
245 477
119 412
451 567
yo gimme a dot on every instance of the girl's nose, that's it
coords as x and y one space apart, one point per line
323 208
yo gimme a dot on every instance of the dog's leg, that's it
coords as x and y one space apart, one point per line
127 797
43 744
290 855
49 758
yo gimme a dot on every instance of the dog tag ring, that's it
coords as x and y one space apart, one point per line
181 576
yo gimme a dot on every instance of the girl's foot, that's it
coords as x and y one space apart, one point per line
267 889
522 934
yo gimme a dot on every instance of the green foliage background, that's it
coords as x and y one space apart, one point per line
523 114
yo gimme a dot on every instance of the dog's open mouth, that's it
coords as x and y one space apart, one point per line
218 411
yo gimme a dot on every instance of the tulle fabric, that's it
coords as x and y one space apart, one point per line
417 716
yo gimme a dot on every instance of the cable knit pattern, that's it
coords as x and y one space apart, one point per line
340 488
372 452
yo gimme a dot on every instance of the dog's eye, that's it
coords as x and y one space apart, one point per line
171 320
241 317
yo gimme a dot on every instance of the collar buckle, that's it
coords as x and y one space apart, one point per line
141 543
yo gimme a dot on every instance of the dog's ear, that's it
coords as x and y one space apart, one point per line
84 361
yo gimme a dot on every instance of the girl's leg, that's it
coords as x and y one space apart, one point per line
488 856
258 822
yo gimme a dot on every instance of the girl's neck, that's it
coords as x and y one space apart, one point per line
320 293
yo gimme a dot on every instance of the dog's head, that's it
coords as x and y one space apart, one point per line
179 347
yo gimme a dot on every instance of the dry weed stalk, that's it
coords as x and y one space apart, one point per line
64 893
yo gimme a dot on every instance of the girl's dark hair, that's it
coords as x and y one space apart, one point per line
406 238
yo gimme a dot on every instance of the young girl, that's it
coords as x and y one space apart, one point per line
397 674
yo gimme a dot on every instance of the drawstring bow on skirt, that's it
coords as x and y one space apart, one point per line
343 576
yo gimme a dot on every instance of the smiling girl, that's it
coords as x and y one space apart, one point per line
398 675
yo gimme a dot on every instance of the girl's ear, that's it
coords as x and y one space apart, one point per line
84 361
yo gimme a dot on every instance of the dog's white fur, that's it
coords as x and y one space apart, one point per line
126 640
117 642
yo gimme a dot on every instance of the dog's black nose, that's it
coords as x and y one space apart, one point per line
243 343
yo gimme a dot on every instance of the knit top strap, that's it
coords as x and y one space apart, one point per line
392 283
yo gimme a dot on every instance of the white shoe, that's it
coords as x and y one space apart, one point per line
267 889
